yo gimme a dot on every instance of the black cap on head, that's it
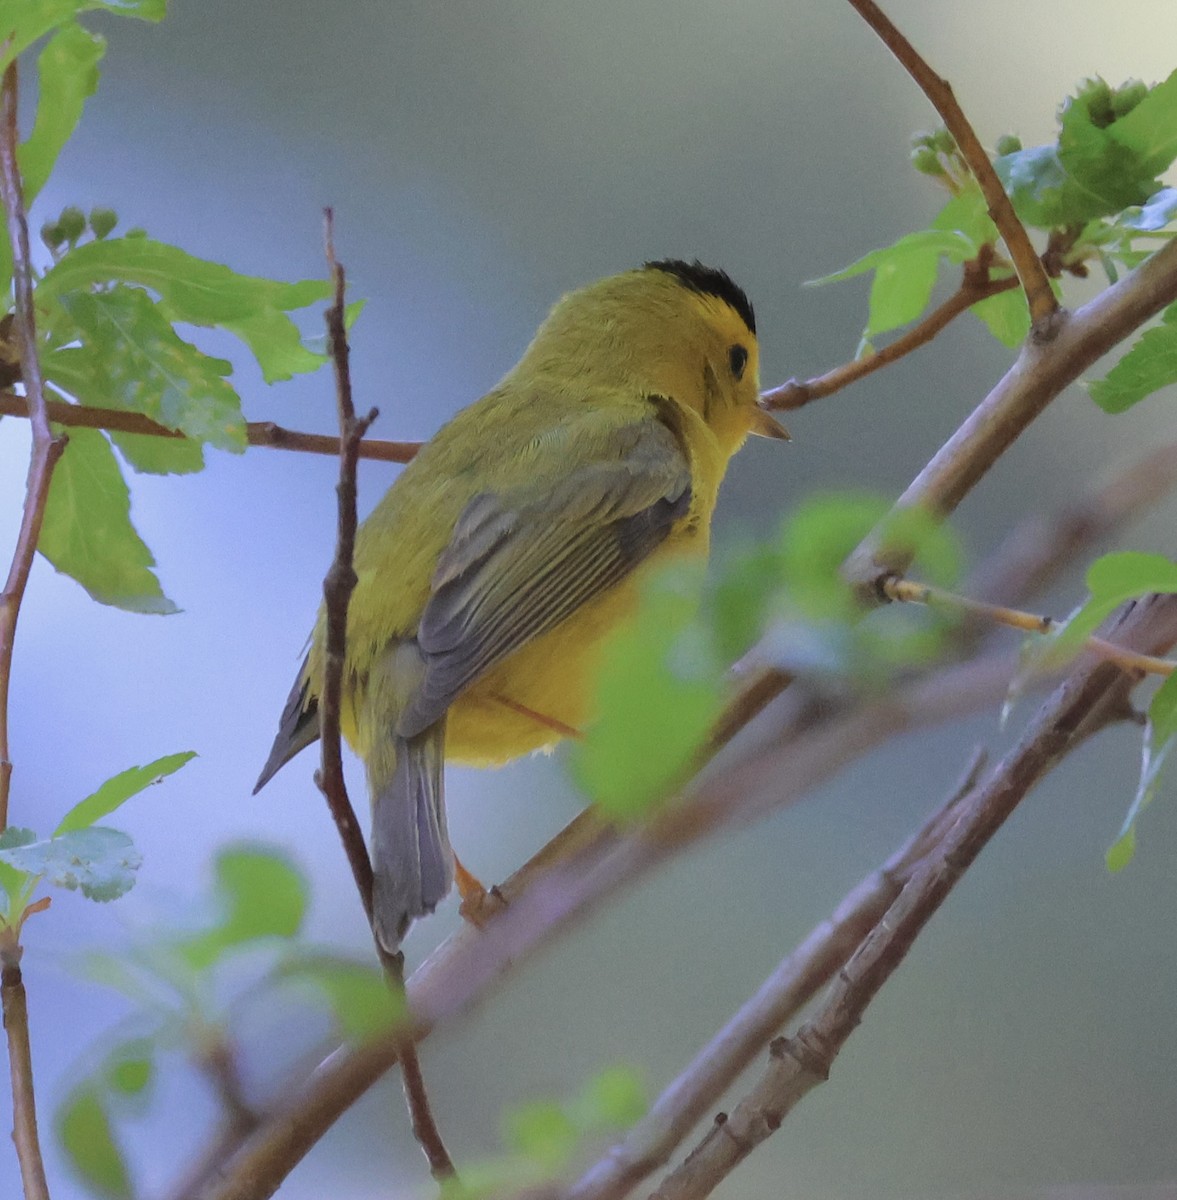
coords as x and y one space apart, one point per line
708 281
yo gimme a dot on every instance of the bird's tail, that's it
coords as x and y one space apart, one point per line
412 861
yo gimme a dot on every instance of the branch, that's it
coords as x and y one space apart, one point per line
974 286
46 448
1038 375
591 864
906 591
651 1142
337 590
20 1069
1086 699
1031 272
257 433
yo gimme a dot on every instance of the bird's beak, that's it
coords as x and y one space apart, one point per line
764 424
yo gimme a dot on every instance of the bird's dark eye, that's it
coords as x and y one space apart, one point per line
737 359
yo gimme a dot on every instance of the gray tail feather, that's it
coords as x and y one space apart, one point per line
412 862
298 727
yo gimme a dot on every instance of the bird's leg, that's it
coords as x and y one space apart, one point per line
478 903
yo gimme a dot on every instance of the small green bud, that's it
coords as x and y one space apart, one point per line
52 236
943 141
1127 96
1096 97
922 139
102 221
1008 143
927 161
72 224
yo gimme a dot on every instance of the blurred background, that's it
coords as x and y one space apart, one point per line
483 156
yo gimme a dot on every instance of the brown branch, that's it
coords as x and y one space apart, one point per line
974 286
591 864
46 448
1028 265
906 591
257 433
1035 379
1086 699
20 1070
651 1142
337 590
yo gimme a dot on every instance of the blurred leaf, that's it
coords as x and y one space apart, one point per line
817 537
740 597
1111 581
968 213
1006 315
931 544
99 862
615 1098
87 531
27 21
1149 364
13 881
658 692
67 76
86 1136
199 292
130 1066
1037 185
120 788
542 1132
1159 739
1156 214
132 359
264 895
1149 131
358 994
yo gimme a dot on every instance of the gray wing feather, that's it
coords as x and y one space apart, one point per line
516 567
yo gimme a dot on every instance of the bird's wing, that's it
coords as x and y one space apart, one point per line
521 560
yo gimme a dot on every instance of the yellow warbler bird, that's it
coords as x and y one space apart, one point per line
496 564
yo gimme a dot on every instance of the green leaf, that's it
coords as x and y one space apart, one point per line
199 292
1150 364
264 895
1149 131
968 213
1159 740
614 1099
85 1133
14 882
132 359
740 598
1006 315
542 1132
87 531
120 788
817 537
130 1066
658 686
1111 581
99 862
358 994
23 22
1037 185
1160 209
67 76
152 455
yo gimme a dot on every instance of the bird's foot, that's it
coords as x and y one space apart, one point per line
479 903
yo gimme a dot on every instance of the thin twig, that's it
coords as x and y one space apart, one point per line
46 448
257 433
973 288
651 1142
337 590
1028 265
20 1069
45 453
907 591
800 1063
1040 373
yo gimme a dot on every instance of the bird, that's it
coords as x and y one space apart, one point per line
491 573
